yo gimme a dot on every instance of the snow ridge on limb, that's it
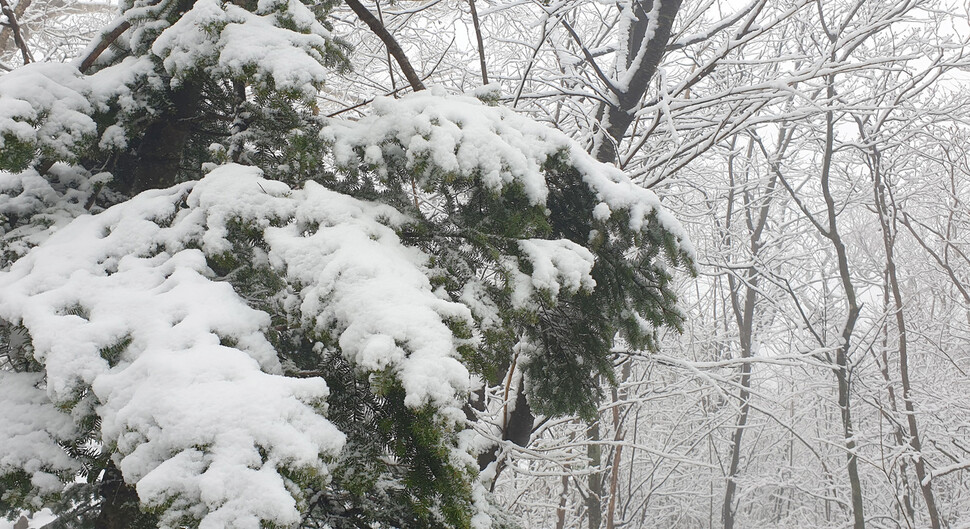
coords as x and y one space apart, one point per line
43 106
464 137
32 431
50 110
351 276
56 112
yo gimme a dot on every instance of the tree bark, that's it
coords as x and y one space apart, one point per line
563 498
156 162
647 48
517 428
107 38
478 37
119 503
14 27
7 31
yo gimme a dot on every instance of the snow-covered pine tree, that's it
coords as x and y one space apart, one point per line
221 310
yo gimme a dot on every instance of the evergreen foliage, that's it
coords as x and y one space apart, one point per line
501 233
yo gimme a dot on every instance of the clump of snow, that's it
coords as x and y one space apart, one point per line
49 107
559 264
229 40
45 105
32 206
174 393
356 280
452 134
30 429
626 65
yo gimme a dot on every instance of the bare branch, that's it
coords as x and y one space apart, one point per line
392 45
589 57
107 38
726 22
15 27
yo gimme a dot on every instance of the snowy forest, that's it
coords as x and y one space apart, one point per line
472 264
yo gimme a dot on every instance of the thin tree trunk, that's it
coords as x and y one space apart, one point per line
842 353
478 37
744 394
156 162
594 502
119 503
907 503
617 454
744 316
107 38
915 443
563 497
7 31
390 66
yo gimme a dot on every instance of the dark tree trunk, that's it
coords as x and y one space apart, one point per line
518 429
157 159
7 31
119 503
889 241
594 502
842 364
617 116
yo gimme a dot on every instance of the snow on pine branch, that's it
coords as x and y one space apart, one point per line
226 39
556 265
46 204
31 430
127 322
464 136
354 278
47 104
201 427
49 108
